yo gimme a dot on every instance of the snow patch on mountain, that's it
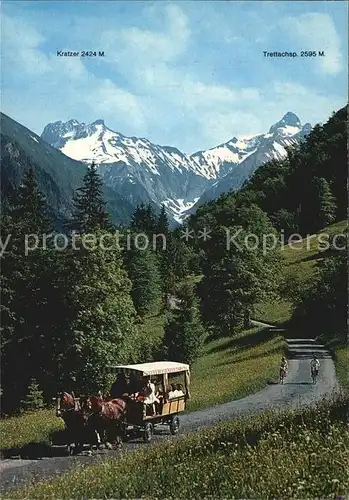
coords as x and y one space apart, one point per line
143 171
179 207
261 148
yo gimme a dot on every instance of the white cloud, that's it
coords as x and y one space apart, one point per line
307 102
159 94
316 31
143 46
169 92
57 84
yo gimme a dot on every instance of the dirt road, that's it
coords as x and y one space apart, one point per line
298 389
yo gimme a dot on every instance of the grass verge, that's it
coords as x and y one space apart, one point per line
34 427
293 454
342 364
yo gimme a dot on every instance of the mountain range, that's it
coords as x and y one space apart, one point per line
135 170
57 175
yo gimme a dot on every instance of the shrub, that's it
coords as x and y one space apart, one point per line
34 399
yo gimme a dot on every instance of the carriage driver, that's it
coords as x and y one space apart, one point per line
119 387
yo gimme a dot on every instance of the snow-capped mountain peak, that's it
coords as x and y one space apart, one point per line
96 142
289 124
100 121
147 172
252 152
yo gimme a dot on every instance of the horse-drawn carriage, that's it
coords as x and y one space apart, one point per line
89 419
141 418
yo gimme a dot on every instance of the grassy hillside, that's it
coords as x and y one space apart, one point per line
230 368
300 260
274 455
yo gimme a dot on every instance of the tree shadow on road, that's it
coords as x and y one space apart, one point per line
42 449
28 451
298 383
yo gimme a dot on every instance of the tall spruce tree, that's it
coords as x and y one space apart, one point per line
95 326
162 224
184 333
29 206
144 220
325 203
26 285
163 253
143 270
90 212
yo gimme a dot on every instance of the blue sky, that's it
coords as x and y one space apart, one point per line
191 74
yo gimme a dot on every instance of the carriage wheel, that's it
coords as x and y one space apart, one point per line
174 425
148 432
70 450
124 434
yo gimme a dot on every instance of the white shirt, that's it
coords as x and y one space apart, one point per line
151 397
314 364
175 394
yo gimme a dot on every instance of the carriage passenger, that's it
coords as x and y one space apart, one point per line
179 390
171 393
150 395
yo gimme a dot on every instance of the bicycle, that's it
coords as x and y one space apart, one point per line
283 374
314 375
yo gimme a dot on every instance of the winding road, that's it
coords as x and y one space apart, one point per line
297 389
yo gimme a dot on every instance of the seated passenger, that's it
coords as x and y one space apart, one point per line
179 390
159 394
171 393
150 395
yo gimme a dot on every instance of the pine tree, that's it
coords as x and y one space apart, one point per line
30 207
90 213
162 225
96 322
326 203
184 333
143 270
26 284
144 220
34 399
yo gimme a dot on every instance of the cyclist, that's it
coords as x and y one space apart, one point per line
314 367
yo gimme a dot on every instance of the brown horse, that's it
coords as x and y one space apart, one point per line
69 409
106 418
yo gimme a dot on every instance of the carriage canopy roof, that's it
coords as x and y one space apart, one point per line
149 369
